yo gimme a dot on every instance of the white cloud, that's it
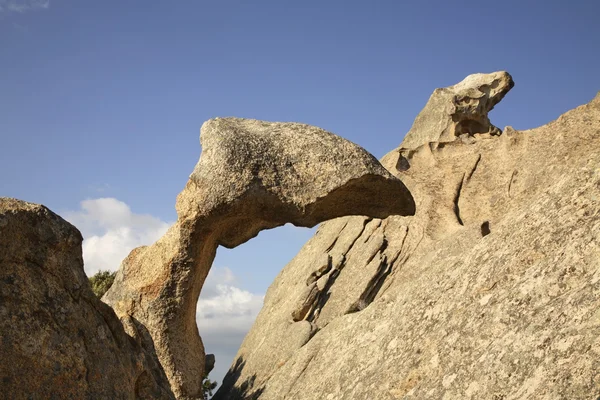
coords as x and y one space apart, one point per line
224 306
99 188
21 6
225 314
111 230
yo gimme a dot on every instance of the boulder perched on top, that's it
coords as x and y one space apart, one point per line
252 175
460 110
57 339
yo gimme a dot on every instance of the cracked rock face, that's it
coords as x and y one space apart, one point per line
490 291
252 175
58 340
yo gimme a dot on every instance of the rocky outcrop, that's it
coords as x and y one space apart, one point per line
460 111
490 291
58 340
252 175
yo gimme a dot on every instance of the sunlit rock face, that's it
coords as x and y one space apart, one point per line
467 268
460 110
490 291
252 175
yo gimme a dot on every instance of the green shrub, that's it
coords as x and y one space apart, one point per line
208 386
102 281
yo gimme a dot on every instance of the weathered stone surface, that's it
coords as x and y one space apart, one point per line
460 110
252 175
491 291
57 339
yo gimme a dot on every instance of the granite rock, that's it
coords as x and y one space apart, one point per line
490 291
252 175
58 340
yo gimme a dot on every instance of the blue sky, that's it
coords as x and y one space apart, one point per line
104 99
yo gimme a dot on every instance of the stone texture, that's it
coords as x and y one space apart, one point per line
460 110
252 175
58 340
490 291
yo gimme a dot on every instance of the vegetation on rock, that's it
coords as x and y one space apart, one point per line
101 282
208 386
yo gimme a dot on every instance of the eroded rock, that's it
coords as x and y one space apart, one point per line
58 340
490 290
252 175
460 110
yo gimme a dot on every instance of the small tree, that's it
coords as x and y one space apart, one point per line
102 281
208 386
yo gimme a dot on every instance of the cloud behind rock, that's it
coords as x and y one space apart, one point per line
111 230
225 314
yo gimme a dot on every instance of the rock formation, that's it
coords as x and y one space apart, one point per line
58 340
484 283
490 291
460 110
252 175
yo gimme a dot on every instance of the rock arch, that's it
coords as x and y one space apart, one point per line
252 175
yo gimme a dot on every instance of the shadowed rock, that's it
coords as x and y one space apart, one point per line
57 339
252 175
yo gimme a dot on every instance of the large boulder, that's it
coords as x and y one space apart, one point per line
252 175
57 339
490 291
